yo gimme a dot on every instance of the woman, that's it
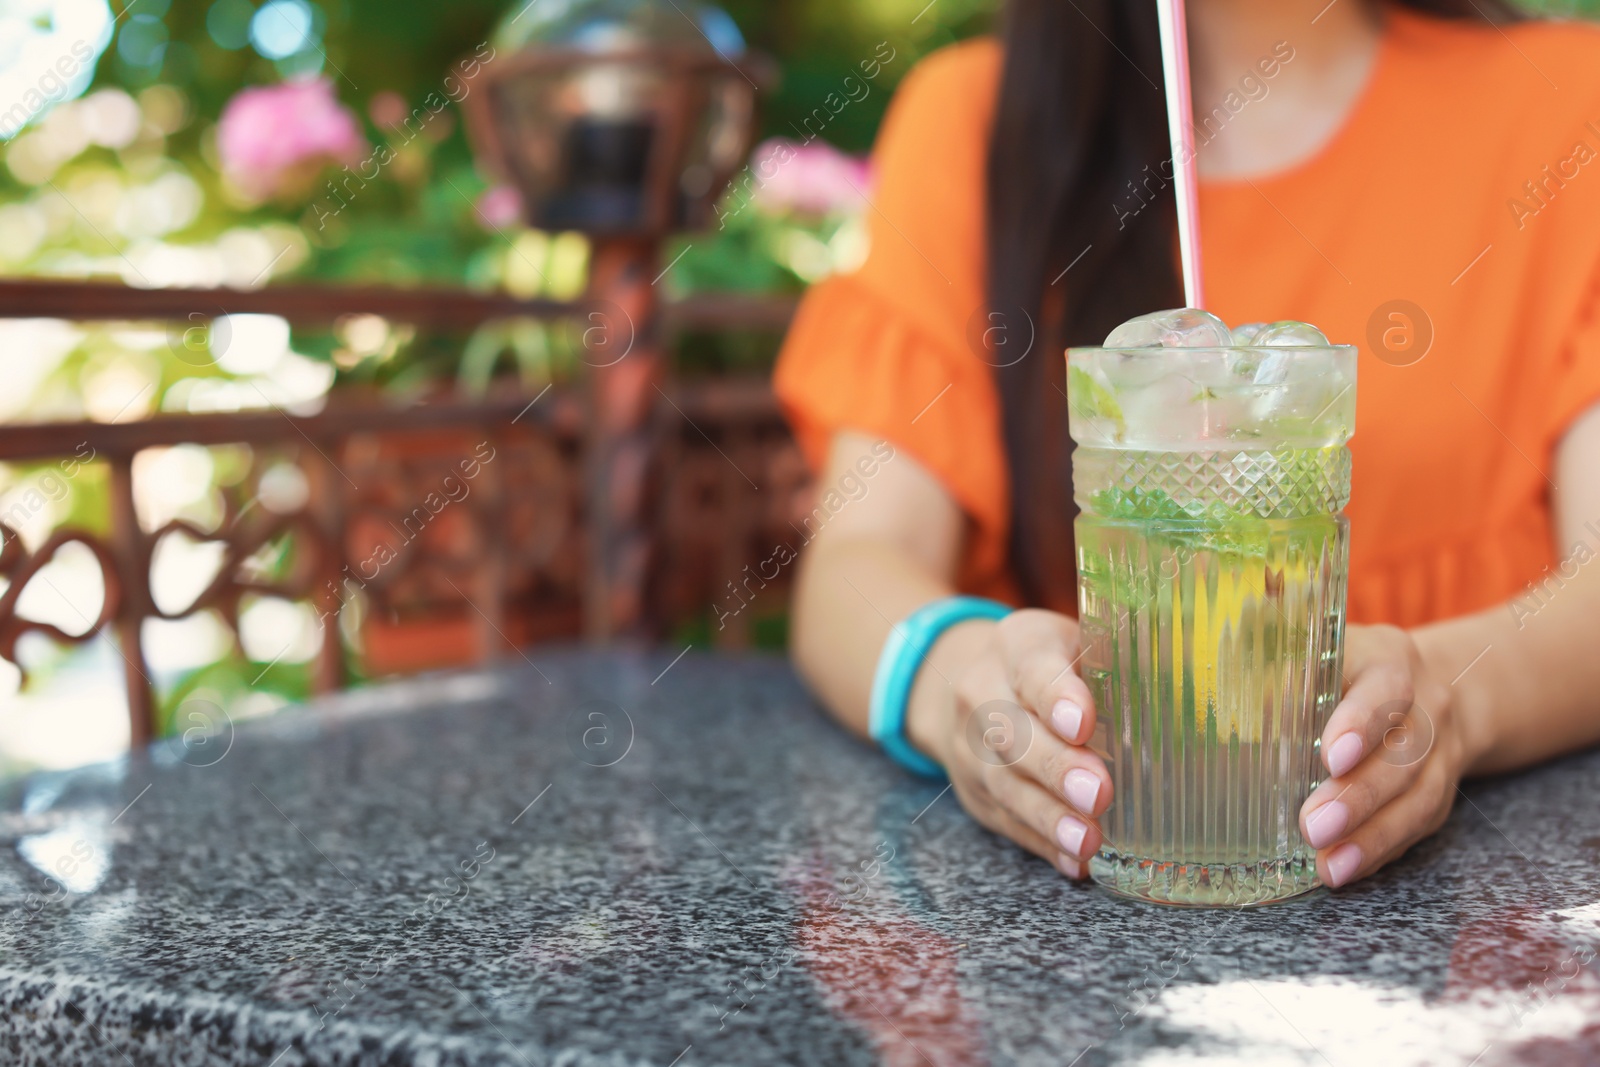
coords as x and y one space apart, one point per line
1421 178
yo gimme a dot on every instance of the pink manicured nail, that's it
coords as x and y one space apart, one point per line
1083 789
1343 863
1067 718
1069 866
1070 832
1327 824
1344 754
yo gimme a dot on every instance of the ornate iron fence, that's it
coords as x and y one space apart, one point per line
464 528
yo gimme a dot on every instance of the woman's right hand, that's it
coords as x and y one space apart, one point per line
1012 737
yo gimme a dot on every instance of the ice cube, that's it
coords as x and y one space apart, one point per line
1177 328
1172 407
1247 333
1242 363
1273 369
1290 334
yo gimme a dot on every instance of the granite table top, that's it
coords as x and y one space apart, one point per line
620 859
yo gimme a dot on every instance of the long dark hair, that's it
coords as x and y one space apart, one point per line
1082 230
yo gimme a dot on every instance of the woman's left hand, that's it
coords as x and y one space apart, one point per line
1394 752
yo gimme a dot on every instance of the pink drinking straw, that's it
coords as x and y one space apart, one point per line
1180 121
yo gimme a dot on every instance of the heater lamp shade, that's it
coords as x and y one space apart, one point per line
617 117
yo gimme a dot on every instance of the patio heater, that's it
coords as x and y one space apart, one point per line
625 120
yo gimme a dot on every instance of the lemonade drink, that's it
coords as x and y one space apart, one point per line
1211 560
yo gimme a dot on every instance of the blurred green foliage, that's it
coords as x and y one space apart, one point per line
420 226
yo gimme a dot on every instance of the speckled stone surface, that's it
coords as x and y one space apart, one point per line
603 863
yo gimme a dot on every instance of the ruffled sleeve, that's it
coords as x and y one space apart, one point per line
884 350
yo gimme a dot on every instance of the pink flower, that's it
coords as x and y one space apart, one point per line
813 179
271 136
387 108
499 206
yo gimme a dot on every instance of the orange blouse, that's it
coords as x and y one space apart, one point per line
1465 182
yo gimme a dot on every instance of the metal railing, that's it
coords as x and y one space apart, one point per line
617 503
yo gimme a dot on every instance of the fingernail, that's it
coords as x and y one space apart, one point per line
1326 825
1343 863
1067 718
1344 754
1071 832
1069 866
1083 789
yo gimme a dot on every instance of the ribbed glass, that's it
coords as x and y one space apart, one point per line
1211 599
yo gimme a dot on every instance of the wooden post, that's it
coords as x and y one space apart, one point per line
327 510
132 552
739 520
623 350
493 639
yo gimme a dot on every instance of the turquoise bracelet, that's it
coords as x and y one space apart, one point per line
907 646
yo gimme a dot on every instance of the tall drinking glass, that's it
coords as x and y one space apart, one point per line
1211 591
